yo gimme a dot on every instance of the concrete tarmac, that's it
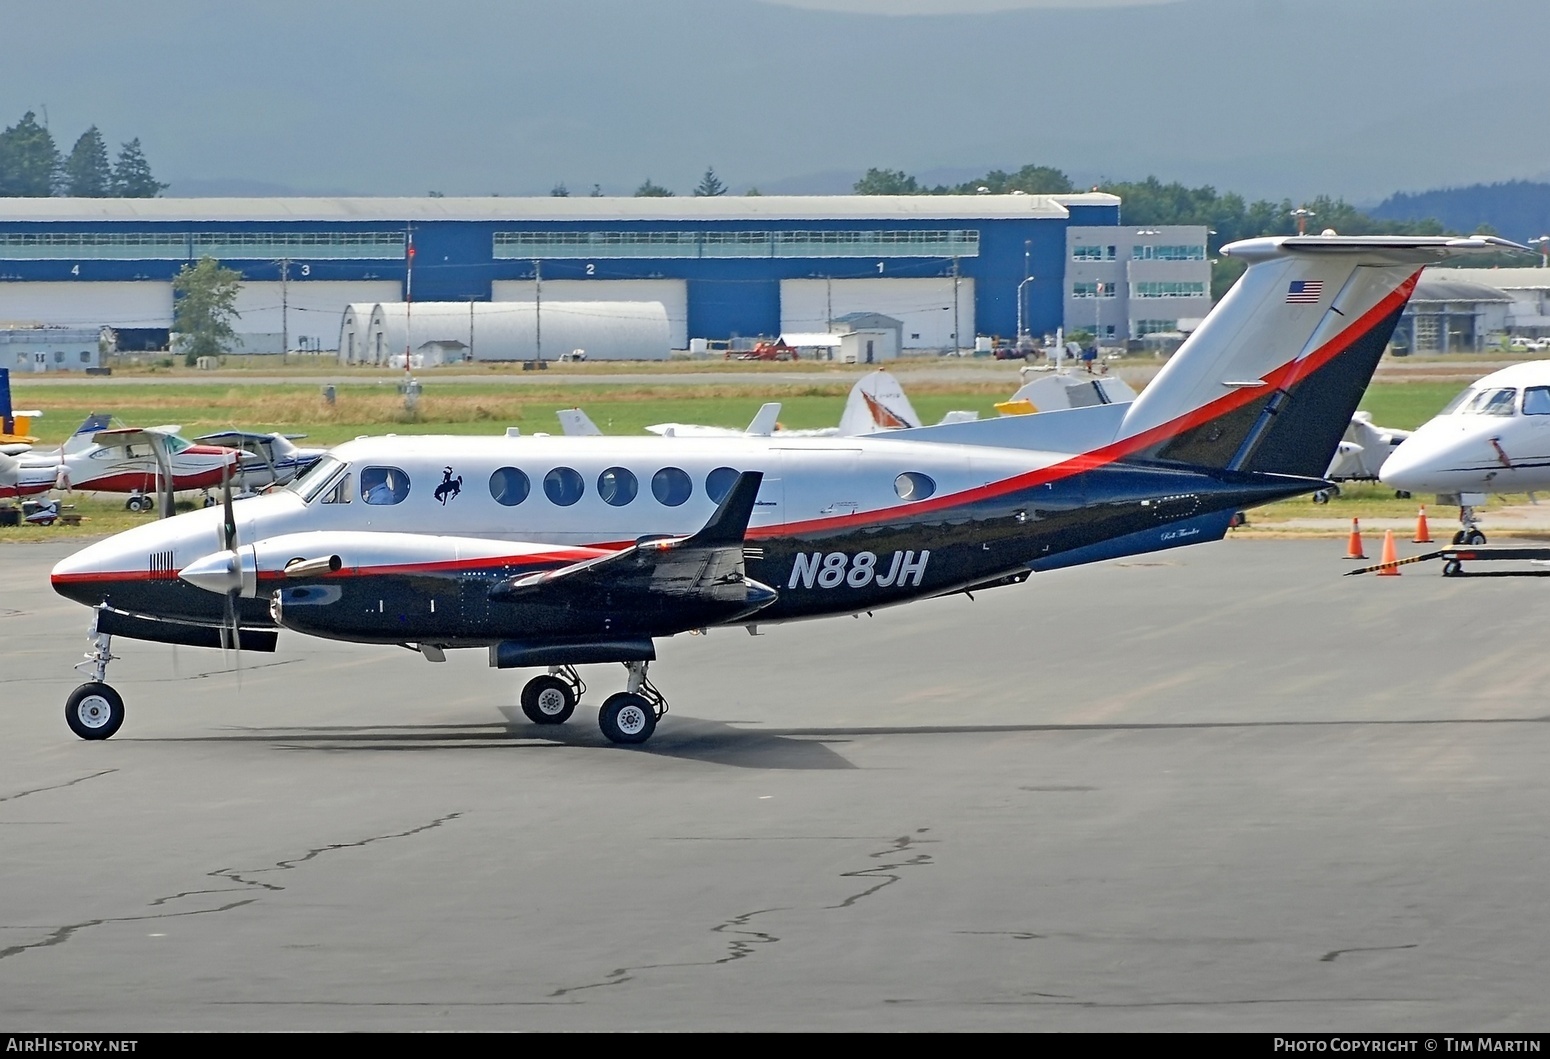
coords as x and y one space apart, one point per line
1220 788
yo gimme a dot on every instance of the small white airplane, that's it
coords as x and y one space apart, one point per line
1494 437
142 461
267 459
553 552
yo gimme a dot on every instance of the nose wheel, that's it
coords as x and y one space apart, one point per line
94 710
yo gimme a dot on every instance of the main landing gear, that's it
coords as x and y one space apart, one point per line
138 502
95 710
628 716
1470 534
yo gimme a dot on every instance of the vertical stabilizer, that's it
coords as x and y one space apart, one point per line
877 403
1271 378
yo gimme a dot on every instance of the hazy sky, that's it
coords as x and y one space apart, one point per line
949 7
1272 98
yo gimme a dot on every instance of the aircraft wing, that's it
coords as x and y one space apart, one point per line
236 439
120 437
704 570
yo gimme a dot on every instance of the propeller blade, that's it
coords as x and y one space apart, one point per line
229 526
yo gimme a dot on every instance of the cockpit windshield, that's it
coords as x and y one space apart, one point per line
1486 402
312 481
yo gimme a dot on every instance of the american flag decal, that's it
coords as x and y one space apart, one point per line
1304 292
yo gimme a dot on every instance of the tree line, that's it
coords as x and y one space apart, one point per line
31 166
1150 202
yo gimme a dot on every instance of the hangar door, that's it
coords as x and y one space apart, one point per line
313 310
672 293
925 306
87 304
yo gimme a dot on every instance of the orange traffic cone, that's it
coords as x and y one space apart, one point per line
1353 550
1390 557
1423 534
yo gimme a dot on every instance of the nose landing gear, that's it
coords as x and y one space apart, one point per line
1470 534
95 710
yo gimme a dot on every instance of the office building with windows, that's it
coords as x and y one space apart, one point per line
1131 282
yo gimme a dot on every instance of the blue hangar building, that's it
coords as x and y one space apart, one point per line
949 267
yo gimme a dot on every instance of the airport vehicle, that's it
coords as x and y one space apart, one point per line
142 462
553 552
766 350
1494 437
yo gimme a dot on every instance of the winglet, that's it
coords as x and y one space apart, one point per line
730 522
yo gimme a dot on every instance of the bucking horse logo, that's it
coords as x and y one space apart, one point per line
450 487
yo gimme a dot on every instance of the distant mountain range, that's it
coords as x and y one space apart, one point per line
1517 209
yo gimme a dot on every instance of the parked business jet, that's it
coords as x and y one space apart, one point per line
1492 438
553 552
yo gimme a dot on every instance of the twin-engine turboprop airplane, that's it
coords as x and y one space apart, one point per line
1492 438
553 552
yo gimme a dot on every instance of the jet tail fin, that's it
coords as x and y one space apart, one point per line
877 403
1271 378
764 421
574 423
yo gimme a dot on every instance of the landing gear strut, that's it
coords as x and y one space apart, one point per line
631 716
94 710
1470 534
552 697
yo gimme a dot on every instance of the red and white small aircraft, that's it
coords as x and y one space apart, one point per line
140 461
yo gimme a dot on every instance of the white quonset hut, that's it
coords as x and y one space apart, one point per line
506 331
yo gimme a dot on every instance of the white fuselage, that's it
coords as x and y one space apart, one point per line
1493 438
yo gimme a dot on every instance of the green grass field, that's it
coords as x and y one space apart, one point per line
375 407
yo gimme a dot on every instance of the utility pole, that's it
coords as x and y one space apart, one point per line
957 345
408 296
1022 329
538 309
470 329
285 320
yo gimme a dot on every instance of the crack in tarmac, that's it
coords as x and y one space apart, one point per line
63 934
745 946
60 935
1330 957
57 786
887 872
737 949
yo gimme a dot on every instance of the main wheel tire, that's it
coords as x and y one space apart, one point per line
1458 537
94 710
627 718
134 503
548 700
1322 496
1474 538
1401 494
